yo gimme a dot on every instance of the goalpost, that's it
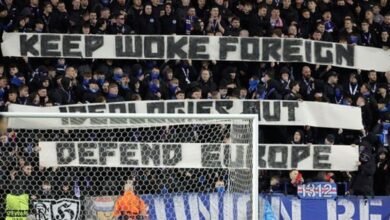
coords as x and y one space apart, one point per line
182 166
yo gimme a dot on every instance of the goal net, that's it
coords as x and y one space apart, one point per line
122 166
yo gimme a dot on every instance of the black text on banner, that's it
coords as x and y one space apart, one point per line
196 155
195 48
270 112
122 154
308 157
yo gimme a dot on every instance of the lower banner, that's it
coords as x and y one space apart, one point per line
197 155
221 206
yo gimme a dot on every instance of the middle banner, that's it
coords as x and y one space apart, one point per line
270 112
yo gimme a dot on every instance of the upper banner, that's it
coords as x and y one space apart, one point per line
195 48
270 112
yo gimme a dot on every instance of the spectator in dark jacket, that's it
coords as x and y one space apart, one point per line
367 113
351 88
231 78
206 83
154 92
75 16
340 11
386 23
215 23
59 22
125 87
134 13
43 96
288 13
363 180
113 94
331 90
234 28
23 95
101 27
368 37
147 23
118 7
169 22
47 16
294 92
246 14
307 84
185 73
9 13
384 42
314 11
325 36
260 23
382 173
269 89
306 24
285 80
120 27
32 11
64 94
92 92
157 9
373 81
46 191
349 33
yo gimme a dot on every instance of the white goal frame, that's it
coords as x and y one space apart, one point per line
252 117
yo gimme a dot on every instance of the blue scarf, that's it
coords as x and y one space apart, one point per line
2 92
111 96
154 75
117 77
85 83
125 87
172 89
101 81
16 81
253 85
338 96
153 88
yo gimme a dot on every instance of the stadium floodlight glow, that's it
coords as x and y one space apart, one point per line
179 165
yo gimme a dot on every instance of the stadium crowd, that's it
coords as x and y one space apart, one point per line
52 82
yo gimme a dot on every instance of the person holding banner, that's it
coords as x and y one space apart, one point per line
362 182
130 206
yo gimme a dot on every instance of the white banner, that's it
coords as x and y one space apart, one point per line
271 112
197 155
195 48
308 157
51 209
125 154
